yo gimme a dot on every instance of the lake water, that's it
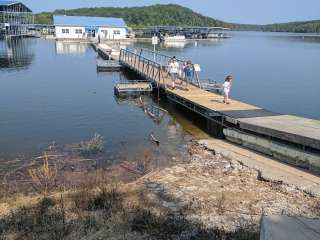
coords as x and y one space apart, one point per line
276 71
52 92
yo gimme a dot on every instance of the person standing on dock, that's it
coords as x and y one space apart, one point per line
188 72
173 69
226 88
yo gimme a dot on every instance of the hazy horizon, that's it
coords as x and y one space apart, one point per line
244 12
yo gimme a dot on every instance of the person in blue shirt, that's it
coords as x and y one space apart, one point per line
188 72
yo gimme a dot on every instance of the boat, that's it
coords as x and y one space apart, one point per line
176 38
217 35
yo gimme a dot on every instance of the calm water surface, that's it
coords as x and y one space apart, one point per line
51 91
280 72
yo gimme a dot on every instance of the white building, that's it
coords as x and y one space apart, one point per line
79 27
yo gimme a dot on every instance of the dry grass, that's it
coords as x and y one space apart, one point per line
103 213
43 177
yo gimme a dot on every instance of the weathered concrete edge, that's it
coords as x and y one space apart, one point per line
268 168
279 151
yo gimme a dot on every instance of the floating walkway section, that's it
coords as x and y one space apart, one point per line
291 139
108 65
107 52
132 88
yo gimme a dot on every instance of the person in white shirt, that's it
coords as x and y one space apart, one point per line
226 86
173 69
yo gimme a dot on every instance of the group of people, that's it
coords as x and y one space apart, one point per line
186 73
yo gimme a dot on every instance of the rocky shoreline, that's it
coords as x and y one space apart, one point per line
221 192
206 194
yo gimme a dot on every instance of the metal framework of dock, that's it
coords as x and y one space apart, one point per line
295 140
189 32
15 19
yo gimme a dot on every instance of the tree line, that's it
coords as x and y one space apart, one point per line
164 15
174 15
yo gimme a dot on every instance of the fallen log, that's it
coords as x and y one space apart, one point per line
128 168
154 139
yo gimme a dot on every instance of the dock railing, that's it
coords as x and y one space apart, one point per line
164 60
148 68
159 57
153 65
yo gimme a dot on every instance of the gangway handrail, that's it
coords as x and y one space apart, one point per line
156 67
161 54
125 52
140 56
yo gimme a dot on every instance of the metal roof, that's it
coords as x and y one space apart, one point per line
7 3
88 21
4 3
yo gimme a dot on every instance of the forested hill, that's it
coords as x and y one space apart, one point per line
297 27
170 14
174 15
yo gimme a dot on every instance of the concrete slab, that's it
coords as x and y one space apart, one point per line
289 228
269 168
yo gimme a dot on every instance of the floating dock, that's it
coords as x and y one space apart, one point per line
132 88
106 52
108 65
292 139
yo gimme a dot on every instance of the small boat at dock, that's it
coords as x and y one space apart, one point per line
217 35
176 38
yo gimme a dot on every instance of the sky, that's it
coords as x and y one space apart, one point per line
237 11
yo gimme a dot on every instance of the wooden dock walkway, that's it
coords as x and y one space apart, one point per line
292 139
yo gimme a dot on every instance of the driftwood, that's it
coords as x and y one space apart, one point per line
130 169
41 157
151 114
154 139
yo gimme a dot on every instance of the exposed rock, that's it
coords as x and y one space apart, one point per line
221 192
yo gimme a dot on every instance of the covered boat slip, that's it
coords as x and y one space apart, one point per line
295 138
16 19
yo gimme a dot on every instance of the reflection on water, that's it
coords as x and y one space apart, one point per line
16 53
181 44
306 38
70 48
62 98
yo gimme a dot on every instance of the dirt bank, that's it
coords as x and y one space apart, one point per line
221 192
205 196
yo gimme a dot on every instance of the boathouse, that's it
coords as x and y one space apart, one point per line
15 18
80 27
